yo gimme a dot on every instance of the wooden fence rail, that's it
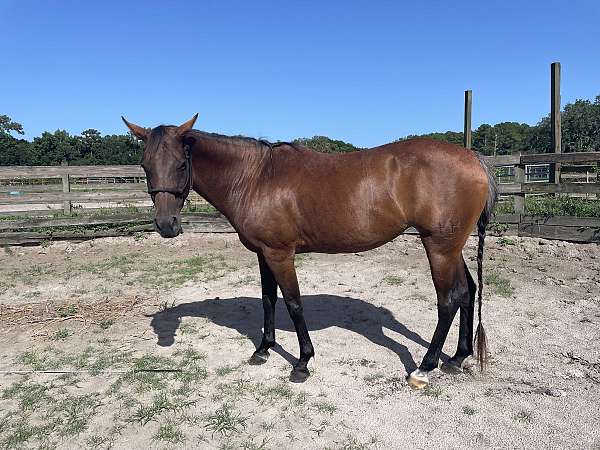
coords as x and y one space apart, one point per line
68 191
519 188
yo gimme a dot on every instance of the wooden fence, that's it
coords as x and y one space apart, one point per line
88 185
55 189
578 229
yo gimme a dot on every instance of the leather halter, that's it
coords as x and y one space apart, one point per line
188 183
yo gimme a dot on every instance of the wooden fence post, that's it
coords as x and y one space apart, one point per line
555 119
519 199
66 187
467 122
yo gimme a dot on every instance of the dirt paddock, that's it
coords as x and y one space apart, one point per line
143 342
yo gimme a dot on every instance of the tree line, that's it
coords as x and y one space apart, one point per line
580 122
580 133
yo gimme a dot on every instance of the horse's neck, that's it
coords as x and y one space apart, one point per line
225 173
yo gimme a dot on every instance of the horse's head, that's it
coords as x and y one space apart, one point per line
168 166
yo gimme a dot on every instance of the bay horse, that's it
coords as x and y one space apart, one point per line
284 199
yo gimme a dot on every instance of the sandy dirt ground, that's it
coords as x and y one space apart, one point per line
150 339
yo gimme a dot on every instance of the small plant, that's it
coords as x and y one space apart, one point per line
523 417
187 328
469 410
393 280
506 241
225 370
501 286
374 378
225 421
45 243
67 310
62 334
433 391
168 432
139 236
105 324
325 407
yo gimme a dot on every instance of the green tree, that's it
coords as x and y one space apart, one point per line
7 126
324 144
52 148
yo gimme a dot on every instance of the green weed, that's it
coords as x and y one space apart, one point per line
225 421
500 285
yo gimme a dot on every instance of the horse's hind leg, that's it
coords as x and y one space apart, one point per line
464 348
269 298
452 290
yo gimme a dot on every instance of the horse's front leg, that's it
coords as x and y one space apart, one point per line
269 298
281 263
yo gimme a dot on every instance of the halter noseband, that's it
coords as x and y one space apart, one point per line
188 182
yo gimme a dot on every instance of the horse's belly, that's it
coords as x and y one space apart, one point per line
350 239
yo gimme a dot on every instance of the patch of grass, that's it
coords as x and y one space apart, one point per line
251 445
225 370
506 241
34 360
190 363
279 391
523 417
325 407
225 421
66 310
352 443
168 432
187 328
374 378
500 285
300 399
105 324
147 413
433 391
96 441
393 280
469 410
143 374
30 395
300 259
562 205
62 334
74 412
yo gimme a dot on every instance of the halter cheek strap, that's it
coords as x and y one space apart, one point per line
188 182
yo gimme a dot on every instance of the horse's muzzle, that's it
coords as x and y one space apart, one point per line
168 227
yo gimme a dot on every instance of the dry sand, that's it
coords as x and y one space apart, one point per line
114 304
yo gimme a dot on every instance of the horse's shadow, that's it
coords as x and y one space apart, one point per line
245 315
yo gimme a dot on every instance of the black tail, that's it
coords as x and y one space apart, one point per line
480 338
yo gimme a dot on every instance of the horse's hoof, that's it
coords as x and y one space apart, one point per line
418 379
451 368
299 375
258 358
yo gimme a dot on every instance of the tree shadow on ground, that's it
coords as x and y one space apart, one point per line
245 315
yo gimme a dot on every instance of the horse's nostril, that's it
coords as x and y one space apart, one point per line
174 221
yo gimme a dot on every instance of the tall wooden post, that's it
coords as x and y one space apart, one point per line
467 129
555 119
519 199
66 185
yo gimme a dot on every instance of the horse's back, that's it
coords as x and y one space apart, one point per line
360 200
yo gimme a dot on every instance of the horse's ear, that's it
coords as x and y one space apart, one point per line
139 132
187 126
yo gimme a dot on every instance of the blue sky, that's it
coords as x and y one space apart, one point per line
366 72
